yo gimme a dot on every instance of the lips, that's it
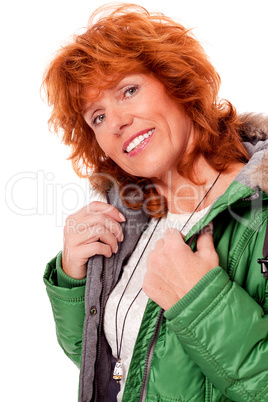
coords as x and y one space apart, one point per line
136 140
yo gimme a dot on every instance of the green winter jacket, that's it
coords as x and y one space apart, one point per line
210 346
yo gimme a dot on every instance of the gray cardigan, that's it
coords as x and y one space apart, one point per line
104 273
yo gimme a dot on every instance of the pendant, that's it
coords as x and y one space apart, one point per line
118 371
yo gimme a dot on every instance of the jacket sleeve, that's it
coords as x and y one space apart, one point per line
225 331
67 296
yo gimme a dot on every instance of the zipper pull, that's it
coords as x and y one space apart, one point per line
264 266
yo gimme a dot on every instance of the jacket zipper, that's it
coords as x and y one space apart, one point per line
100 324
208 390
149 356
151 346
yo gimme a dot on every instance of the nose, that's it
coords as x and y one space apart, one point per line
117 120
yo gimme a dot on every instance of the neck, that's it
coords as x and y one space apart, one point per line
182 195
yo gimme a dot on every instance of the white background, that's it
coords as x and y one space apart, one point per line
41 188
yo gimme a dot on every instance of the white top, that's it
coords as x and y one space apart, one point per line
135 314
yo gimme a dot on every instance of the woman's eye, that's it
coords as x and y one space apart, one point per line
130 92
98 119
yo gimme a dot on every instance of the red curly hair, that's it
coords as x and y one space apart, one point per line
128 39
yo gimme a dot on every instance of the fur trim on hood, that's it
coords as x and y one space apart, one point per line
255 138
255 127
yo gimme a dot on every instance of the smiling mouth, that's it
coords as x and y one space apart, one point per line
138 141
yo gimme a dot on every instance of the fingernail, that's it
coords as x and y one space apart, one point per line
121 216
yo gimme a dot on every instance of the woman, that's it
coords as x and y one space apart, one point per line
147 301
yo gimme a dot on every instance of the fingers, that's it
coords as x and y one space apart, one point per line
172 237
103 208
205 247
173 234
83 226
205 239
94 229
99 233
98 248
159 244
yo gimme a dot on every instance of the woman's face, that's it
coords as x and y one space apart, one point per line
139 126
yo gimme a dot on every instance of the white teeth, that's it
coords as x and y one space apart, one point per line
138 140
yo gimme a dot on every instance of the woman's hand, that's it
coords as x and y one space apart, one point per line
173 269
94 229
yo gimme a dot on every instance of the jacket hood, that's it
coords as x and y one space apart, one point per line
254 132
